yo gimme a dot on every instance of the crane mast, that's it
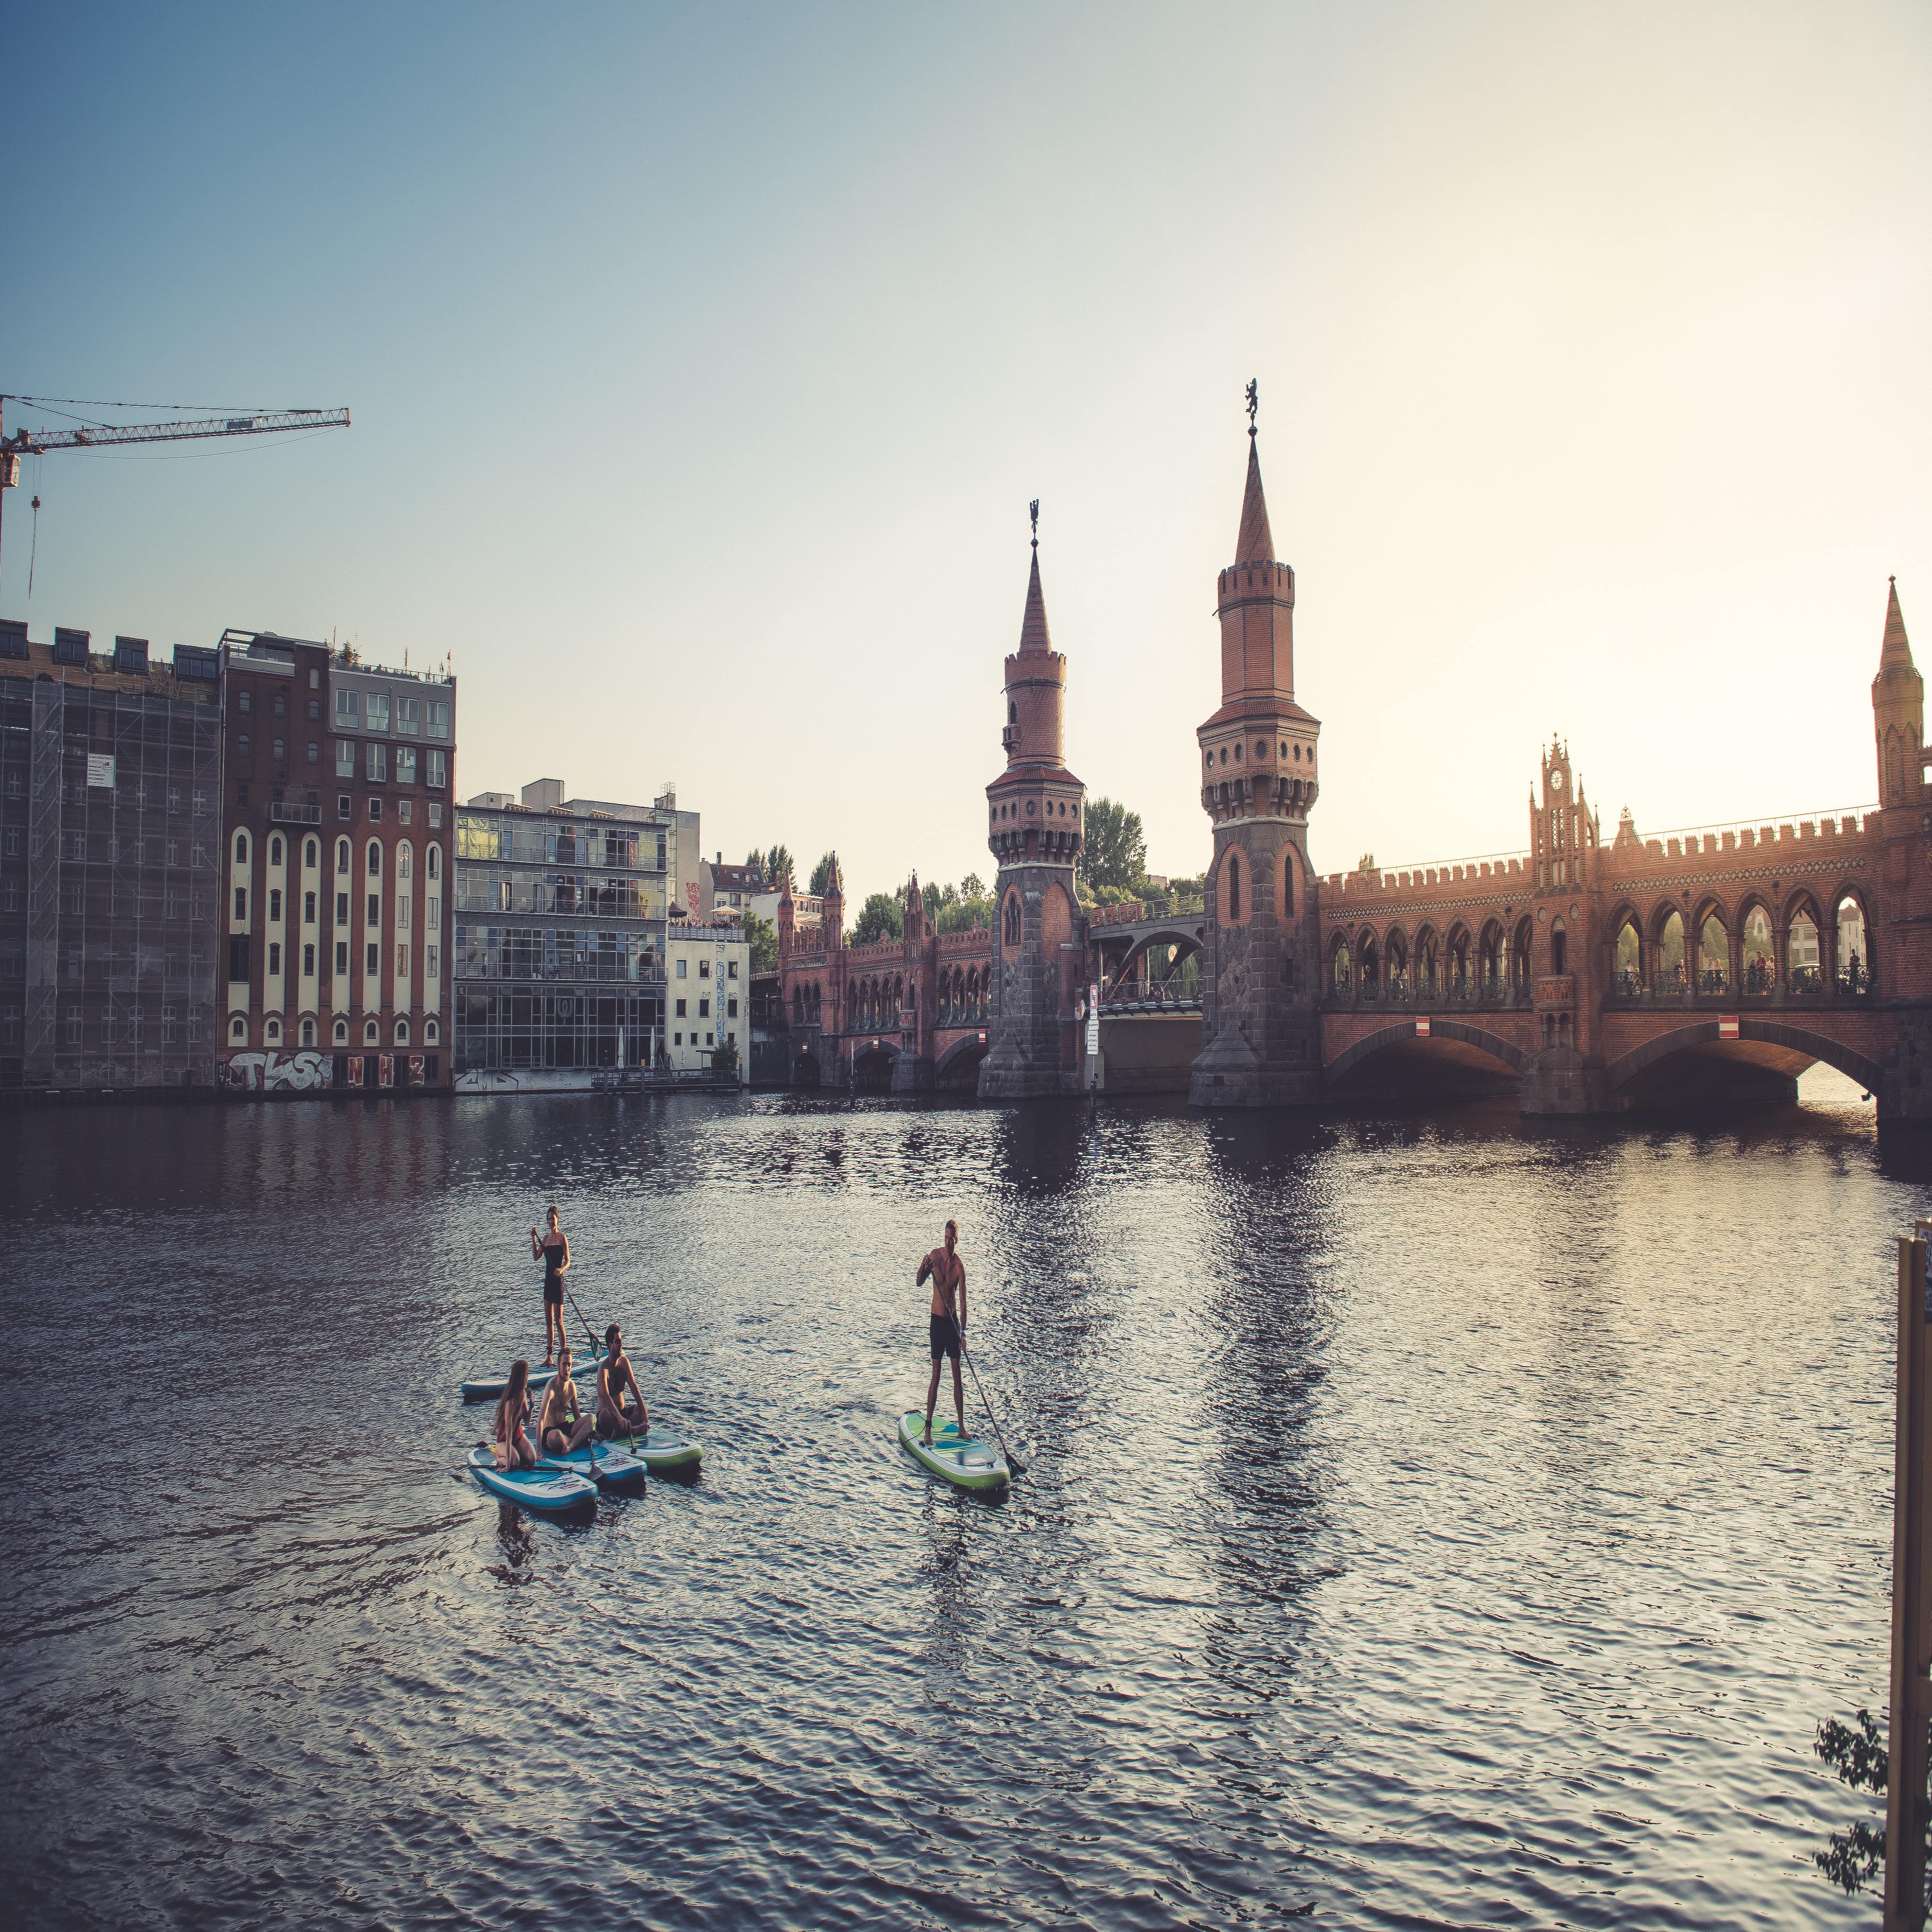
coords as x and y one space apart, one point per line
41 442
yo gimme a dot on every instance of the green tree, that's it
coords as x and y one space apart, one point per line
879 918
1113 852
764 938
1851 1859
972 886
821 874
723 1058
774 866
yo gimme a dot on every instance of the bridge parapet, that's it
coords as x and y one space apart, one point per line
1386 883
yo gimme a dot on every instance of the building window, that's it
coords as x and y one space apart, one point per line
403 860
240 794
376 709
704 969
680 1009
402 1033
375 761
731 1009
375 859
311 853
704 1009
374 913
375 812
245 703
314 752
240 904
342 1033
345 710
308 962
342 855
435 808
403 914
241 848
342 958
403 808
342 908
402 962
345 758
274 904
271 1034
281 704
707 1038
281 750
731 968
274 957
238 1028
432 1032
238 957
437 726
680 969
434 856
435 918
372 960
370 1037
194 1026
677 1039
308 908
167 1026
308 1033
429 962
438 767
241 744
408 712
406 764
314 706
345 807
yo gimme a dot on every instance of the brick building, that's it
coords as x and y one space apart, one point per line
109 775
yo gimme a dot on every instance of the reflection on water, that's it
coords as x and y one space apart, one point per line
1433 1520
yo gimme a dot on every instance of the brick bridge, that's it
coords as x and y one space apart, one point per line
1582 975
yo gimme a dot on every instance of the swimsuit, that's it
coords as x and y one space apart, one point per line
553 1254
945 1337
613 1417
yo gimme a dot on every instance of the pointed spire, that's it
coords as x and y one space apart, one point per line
1895 653
1033 636
1255 544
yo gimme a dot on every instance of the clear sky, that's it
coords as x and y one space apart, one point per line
703 364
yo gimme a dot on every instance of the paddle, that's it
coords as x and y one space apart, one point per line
1014 1465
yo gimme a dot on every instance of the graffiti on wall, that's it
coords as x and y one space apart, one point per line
277 1072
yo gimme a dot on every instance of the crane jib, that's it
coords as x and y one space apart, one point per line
40 442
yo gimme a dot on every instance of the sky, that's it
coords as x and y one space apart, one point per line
703 364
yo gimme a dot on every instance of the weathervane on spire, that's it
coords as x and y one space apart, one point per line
1254 404
1033 511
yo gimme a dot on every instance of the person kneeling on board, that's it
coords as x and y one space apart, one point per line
564 1426
620 1402
514 1449
947 1323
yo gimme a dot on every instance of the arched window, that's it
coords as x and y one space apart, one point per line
272 1032
308 1033
1288 883
432 1032
1012 712
342 1033
402 1033
238 1028
1343 972
1234 886
1627 979
1009 921
1668 974
1372 968
436 862
275 851
1758 963
375 859
402 861
311 855
241 848
371 1034
1559 944
1714 956
1854 960
1803 962
342 855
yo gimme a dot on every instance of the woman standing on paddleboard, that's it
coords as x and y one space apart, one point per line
553 1251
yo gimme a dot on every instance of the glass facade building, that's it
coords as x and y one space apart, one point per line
559 944
110 839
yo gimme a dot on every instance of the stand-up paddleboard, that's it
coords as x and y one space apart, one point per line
963 1460
613 1467
553 1491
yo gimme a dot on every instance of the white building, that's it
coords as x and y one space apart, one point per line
708 994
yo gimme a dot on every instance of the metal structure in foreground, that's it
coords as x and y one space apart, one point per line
1906 1804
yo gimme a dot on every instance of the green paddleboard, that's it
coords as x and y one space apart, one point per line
963 1460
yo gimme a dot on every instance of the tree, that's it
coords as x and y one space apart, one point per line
1115 850
937 897
972 886
774 867
764 937
1851 1859
821 875
879 918
1365 863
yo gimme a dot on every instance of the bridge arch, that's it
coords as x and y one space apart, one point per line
1455 1033
958 1066
1184 939
1783 1041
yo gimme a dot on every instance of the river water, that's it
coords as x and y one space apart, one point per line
1433 1522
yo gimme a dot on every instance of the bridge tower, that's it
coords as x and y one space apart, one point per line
1261 972
1037 824
1898 711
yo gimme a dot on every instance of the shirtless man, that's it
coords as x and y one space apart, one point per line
563 1426
948 1322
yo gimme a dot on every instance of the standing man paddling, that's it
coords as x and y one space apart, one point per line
948 1323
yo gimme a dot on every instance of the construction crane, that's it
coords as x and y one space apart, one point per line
106 436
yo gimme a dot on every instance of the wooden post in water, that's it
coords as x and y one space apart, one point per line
1906 1797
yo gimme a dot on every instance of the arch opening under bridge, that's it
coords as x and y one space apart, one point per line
1452 1059
1692 1065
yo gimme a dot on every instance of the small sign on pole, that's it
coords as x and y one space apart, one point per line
1727 1026
1093 1018
1422 1026
100 770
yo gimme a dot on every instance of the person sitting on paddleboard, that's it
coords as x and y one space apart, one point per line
948 1321
552 1250
620 1402
563 1426
513 1447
